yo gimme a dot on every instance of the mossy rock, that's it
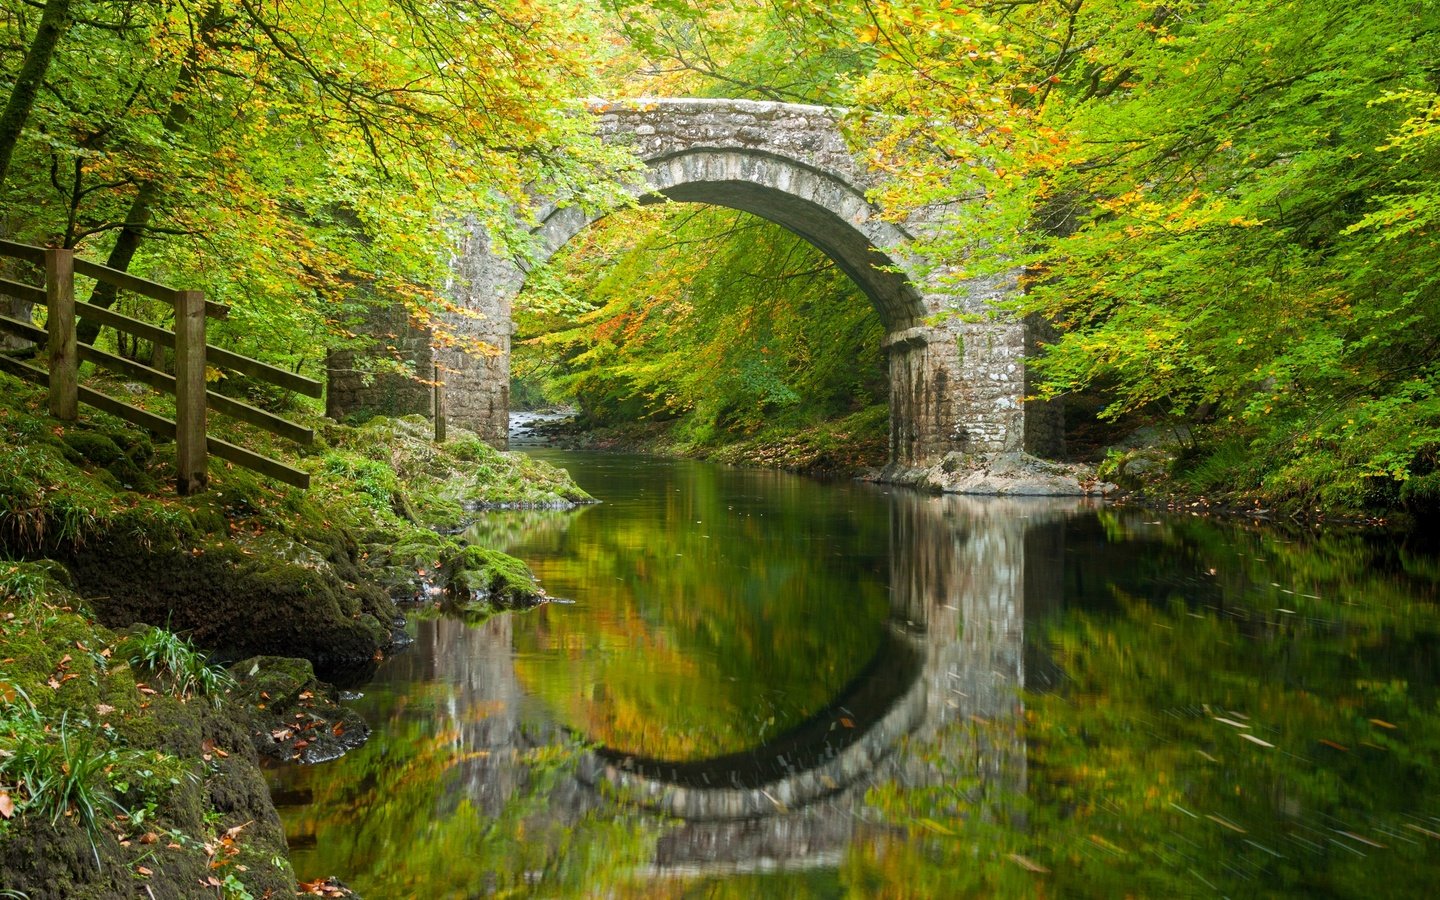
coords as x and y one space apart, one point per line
294 716
492 579
234 600
92 447
188 765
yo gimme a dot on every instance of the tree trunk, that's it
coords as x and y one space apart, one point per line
137 219
54 22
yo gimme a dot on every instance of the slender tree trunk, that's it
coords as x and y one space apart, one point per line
142 208
54 22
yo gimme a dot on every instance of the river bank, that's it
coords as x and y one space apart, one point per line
129 772
1167 469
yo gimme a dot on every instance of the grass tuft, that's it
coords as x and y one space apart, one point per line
175 660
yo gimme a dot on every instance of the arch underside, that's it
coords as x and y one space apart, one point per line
833 216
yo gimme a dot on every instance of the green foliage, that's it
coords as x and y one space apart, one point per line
375 482
176 661
19 581
713 320
798 52
300 173
1220 206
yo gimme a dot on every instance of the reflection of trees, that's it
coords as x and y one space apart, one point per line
694 642
464 762
459 793
964 579
1224 725
502 529
1088 683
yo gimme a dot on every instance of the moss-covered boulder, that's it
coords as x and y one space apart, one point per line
294 716
441 486
480 581
162 790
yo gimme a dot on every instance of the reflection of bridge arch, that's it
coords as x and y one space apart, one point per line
824 754
966 574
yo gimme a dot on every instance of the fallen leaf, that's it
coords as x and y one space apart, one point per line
1382 723
143 871
7 806
149 837
230 833
338 729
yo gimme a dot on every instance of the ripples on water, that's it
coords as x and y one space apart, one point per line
770 686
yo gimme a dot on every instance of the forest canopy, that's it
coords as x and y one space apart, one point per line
1227 209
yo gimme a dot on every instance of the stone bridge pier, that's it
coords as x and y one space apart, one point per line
956 372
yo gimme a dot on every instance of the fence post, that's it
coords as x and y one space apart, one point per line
190 448
60 323
439 406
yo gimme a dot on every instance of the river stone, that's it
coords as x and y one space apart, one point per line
1014 475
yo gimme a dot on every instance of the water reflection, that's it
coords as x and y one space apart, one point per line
832 690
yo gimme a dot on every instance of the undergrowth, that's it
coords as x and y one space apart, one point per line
175 662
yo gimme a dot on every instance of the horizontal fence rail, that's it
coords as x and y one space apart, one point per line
187 385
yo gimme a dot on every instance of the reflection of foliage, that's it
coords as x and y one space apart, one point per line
766 631
1279 734
421 812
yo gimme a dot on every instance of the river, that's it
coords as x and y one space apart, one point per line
770 686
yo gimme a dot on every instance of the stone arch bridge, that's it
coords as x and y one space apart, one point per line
955 385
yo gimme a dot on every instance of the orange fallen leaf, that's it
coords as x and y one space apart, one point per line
144 871
7 806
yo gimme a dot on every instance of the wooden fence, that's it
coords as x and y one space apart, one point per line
192 355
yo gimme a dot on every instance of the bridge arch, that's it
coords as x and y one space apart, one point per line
957 382
827 211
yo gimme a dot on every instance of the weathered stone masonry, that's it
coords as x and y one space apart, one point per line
956 385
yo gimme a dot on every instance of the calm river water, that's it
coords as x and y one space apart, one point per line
768 686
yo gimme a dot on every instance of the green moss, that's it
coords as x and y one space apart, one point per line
156 777
496 580
440 486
